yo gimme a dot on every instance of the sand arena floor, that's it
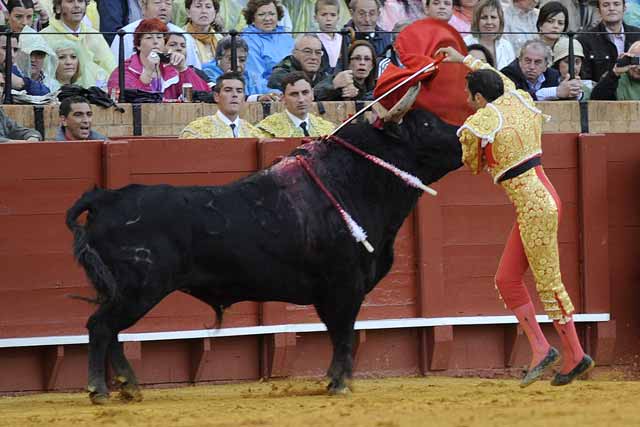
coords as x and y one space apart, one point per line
431 401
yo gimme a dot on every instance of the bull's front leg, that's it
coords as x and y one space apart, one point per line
340 322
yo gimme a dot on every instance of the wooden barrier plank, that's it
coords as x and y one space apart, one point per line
42 195
31 234
42 270
167 156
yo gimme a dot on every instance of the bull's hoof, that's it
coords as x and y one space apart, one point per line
99 398
338 389
130 393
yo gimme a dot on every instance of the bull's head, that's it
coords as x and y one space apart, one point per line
402 107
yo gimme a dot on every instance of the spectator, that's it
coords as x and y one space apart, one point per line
10 130
38 60
201 17
487 27
622 83
531 73
18 80
70 60
228 93
160 9
176 42
394 11
306 57
581 14
267 44
68 16
439 9
30 13
254 86
326 15
390 55
76 118
462 15
561 63
364 14
145 71
553 19
607 40
296 119
303 11
357 81
115 14
521 18
482 53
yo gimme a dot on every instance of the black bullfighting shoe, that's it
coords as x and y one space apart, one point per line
535 373
585 365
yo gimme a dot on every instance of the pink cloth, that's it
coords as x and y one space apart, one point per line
171 79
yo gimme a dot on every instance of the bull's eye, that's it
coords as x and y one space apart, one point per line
426 124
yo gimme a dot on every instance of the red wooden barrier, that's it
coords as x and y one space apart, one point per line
446 254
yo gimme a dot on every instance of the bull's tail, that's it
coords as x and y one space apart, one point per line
97 271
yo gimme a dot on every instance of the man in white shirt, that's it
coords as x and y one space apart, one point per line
226 123
160 9
521 17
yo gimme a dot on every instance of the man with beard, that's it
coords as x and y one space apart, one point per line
306 57
76 118
295 120
623 82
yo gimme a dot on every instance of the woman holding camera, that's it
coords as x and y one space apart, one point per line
150 70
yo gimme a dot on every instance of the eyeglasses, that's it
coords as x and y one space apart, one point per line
263 15
361 58
309 52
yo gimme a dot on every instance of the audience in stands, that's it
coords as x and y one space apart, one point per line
160 9
302 14
306 57
267 44
390 56
439 9
176 42
553 20
38 60
10 130
254 86
602 50
581 14
18 80
394 11
486 27
69 64
226 123
201 17
622 83
295 120
357 81
531 72
116 14
482 53
68 16
561 63
521 17
30 13
145 71
76 117
462 15
364 16
326 15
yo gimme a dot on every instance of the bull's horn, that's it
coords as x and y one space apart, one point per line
397 112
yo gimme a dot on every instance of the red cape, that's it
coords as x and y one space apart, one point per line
443 89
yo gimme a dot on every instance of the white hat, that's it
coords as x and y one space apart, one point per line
561 49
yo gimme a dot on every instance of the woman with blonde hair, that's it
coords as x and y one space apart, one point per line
486 27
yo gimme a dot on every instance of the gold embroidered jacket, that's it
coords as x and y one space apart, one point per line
280 126
213 127
511 123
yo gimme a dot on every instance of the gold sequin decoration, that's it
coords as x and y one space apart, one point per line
537 217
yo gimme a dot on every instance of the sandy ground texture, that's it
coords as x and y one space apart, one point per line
431 401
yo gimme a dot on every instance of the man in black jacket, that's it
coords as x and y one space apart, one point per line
307 57
602 50
364 14
622 83
530 72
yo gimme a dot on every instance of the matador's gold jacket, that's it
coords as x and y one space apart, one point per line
279 125
511 124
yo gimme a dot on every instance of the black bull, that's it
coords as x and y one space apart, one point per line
272 236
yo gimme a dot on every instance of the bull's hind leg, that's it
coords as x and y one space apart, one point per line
100 336
125 378
340 317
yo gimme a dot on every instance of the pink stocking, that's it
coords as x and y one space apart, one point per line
526 315
572 352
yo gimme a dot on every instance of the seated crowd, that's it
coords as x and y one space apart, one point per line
174 43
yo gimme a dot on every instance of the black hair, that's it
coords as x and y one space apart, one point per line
65 105
551 9
485 82
292 78
483 49
229 75
25 4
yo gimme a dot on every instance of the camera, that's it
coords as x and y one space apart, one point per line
628 60
165 58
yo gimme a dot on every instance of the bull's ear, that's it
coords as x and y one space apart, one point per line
402 107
